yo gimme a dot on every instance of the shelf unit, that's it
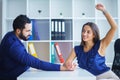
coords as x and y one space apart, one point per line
75 13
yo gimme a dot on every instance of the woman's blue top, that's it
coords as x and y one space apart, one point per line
92 61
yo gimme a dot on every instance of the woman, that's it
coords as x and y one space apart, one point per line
91 52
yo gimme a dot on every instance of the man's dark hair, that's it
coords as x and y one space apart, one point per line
20 21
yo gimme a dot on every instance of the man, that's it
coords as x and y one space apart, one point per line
14 59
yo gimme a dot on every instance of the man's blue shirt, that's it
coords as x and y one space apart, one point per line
14 59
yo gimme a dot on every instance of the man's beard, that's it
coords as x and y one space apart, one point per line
21 36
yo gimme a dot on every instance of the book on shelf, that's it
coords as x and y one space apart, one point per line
31 37
35 34
60 56
32 50
52 56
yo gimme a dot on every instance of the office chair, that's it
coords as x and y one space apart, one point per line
116 61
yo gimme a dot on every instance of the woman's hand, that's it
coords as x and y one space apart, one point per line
100 7
68 67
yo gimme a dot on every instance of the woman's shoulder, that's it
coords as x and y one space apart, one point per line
78 48
97 44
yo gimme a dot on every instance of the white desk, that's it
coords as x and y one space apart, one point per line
78 74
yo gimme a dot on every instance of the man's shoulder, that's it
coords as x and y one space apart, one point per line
9 38
10 35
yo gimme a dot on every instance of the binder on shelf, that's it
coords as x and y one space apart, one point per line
52 30
61 59
31 48
63 31
52 56
56 30
59 30
35 32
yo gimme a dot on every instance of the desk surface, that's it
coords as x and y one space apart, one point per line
78 74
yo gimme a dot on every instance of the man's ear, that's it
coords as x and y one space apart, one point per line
18 31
